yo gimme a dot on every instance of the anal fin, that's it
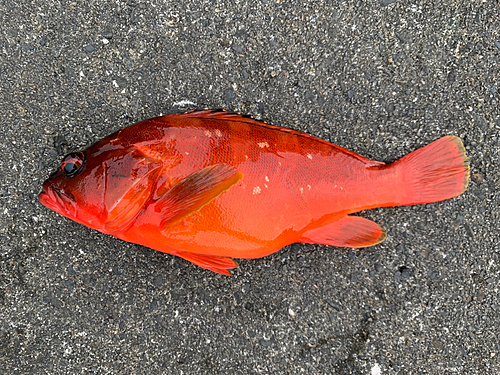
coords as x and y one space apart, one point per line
217 264
350 231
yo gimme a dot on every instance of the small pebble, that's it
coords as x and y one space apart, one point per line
497 43
237 48
469 230
351 255
464 353
69 71
229 96
89 48
158 281
265 343
69 284
434 275
406 272
397 277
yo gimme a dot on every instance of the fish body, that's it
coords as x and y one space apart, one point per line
209 186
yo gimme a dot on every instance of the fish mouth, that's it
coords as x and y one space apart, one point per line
57 200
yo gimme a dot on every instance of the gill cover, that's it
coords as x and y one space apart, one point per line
130 178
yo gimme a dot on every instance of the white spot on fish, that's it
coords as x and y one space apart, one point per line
208 133
279 163
263 144
246 157
187 153
256 190
309 156
218 133
265 185
301 190
266 178
309 187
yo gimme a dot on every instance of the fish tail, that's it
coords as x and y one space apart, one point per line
432 173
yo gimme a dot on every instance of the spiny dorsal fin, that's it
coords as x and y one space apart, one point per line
223 115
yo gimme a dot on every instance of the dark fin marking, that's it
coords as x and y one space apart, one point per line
350 231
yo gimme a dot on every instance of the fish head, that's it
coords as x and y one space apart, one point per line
103 187
75 190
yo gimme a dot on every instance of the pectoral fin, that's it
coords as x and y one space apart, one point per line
213 263
194 192
350 231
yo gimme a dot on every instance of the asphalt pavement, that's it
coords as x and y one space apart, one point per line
379 77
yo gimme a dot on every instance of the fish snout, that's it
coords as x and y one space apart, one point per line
57 200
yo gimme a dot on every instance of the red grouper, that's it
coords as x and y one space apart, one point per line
209 186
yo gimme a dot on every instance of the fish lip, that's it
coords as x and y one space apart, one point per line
44 199
57 200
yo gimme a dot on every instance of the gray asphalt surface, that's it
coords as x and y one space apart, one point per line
380 78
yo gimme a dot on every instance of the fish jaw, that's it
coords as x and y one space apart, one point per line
58 200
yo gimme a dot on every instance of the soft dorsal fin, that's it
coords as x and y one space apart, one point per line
195 191
221 114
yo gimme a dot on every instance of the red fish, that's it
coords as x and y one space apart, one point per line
209 186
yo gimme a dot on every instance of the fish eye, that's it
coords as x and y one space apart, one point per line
73 163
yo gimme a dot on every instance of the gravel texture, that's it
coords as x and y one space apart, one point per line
379 77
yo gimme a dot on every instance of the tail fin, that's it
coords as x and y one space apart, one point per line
433 173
